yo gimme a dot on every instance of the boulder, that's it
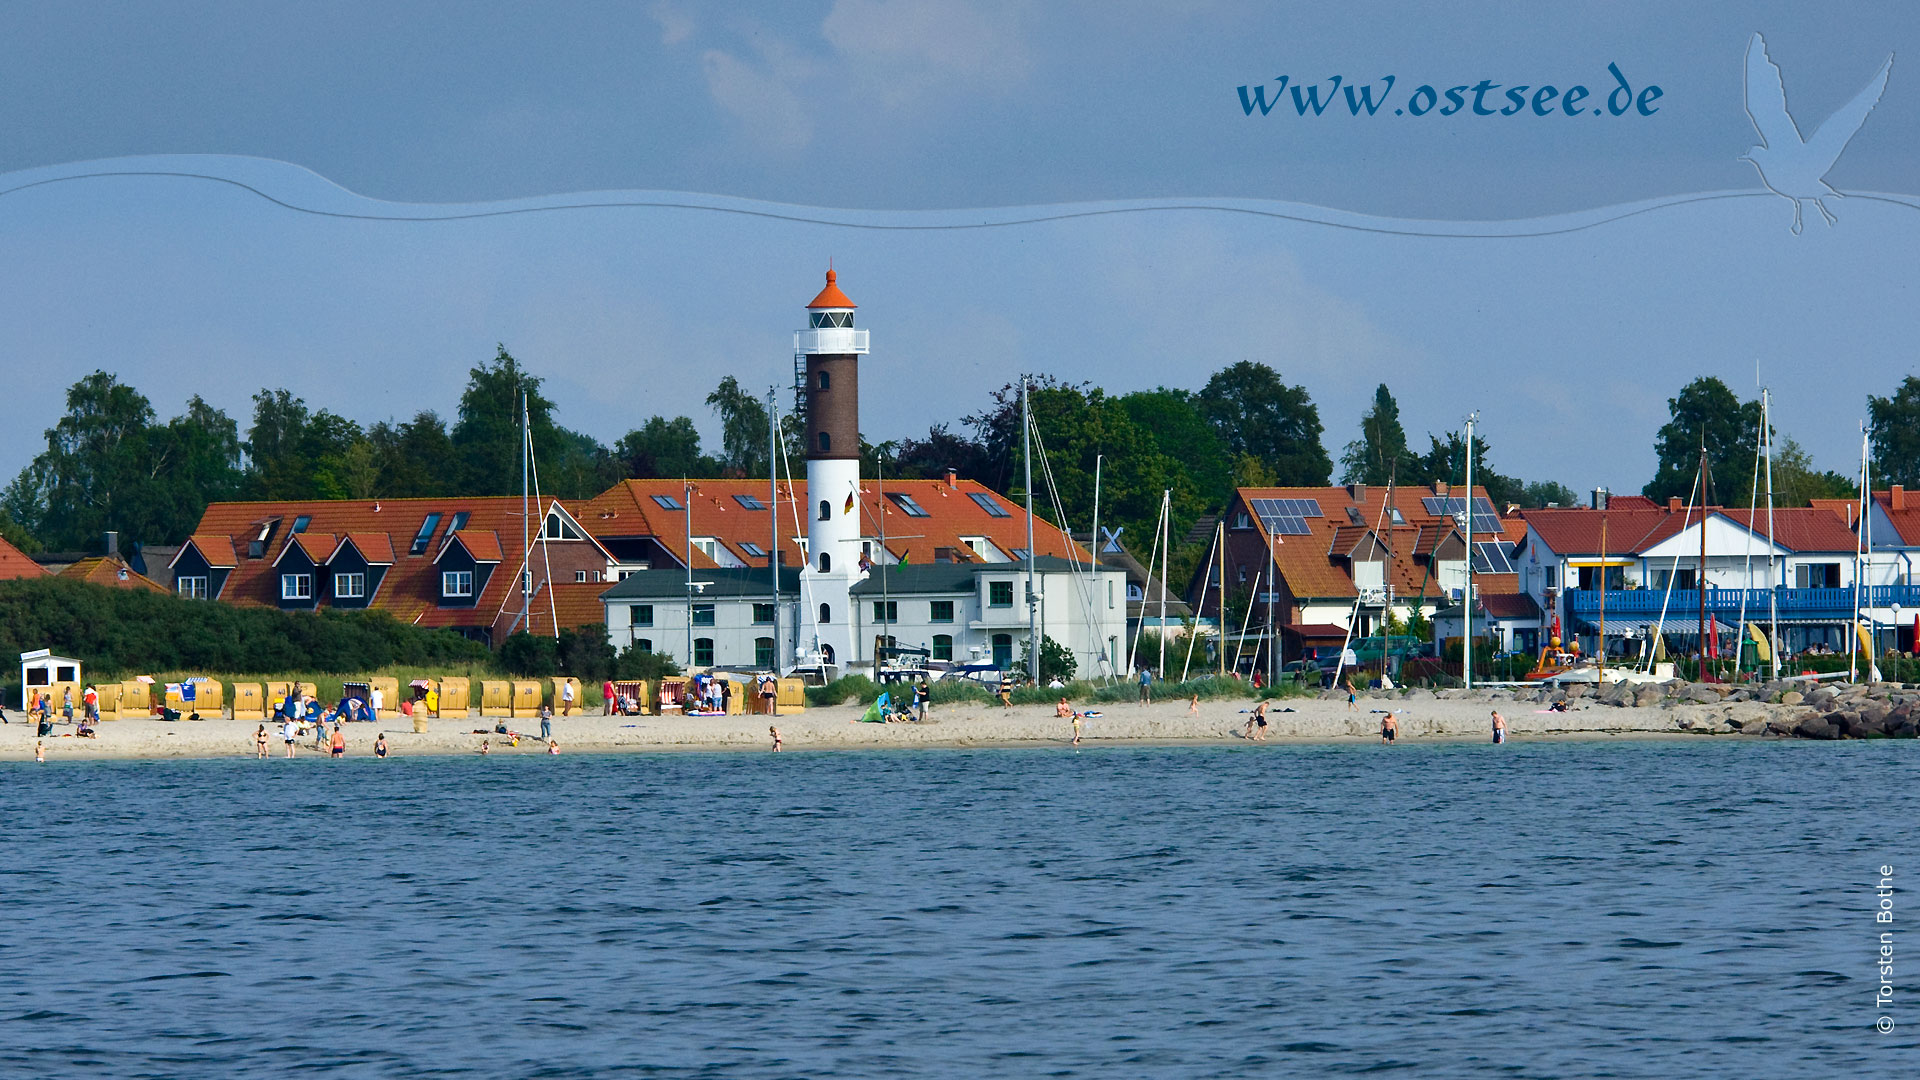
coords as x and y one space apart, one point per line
1792 697
1816 727
1577 691
1783 725
1646 696
1703 695
1755 726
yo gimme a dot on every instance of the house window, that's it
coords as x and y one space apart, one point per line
1000 594
826 562
826 381
579 576
826 443
643 644
763 652
987 503
906 504
349 586
886 611
425 536
296 586
640 615
826 613
1242 521
1003 651
1551 576
703 652
826 510
763 614
943 646
940 611
559 529
703 615
456 583
193 588
1109 596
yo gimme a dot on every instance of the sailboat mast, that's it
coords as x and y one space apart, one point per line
1093 625
1700 585
1601 658
526 522
1773 584
1033 599
773 518
1166 511
1860 535
1466 598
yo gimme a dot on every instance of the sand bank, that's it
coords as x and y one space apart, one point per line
948 726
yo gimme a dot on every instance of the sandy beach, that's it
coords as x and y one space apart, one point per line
947 726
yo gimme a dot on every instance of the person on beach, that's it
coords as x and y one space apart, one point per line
922 697
607 695
91 701
775 732
486 747
566 698
1078 725
1062 709
1146 686
1353 695
319 734
260 741
1006 689
1256 728
66 705
377 701
1389 729
339 742
553 747
1499 727
290 731
769 695
380 746
1193 705
39 751
546 721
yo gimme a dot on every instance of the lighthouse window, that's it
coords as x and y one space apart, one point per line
826 613
826 380
826 563
823 319
826 510
826 442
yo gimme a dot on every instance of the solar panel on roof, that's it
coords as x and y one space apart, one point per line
1285 524
1492 557
1300 508
1455 506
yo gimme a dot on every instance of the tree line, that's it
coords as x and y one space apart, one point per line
111 464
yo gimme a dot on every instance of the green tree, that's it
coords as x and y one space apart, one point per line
1374 458
1184 438
297 454
1894 428
1446 461
743 428
416 459
1056 660
1541 493
663 449
1254 412
1705 411
486 437
1796 482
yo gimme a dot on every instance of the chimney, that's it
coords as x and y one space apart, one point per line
1897 498
1357 492
1440 488
112 544
1600 498
1674 505
953 478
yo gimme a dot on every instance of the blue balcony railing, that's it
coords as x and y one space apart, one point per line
1803 603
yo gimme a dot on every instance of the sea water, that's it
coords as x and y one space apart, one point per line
1574 909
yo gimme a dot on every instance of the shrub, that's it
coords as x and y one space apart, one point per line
530 656
857 687
635 662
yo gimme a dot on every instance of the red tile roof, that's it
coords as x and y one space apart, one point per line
385 528
483 546
318 547
113 573
14 564
629 509
216 550
1314 565
578 603
1631 532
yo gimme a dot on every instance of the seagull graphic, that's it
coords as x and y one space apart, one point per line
1793 167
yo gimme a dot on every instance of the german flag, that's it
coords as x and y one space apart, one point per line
848 509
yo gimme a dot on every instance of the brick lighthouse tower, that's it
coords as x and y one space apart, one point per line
832 348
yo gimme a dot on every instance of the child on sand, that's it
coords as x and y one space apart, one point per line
1193 706
486 747
775 732
1353 695
39 751
1256 728
1076 728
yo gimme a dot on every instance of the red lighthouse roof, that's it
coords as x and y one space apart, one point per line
831 296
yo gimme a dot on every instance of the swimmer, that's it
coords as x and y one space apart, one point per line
553 746
1389 729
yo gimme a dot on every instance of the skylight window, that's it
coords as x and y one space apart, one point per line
753 549
300 523
987 502
667 502
906 504
459 521
748 502
425 536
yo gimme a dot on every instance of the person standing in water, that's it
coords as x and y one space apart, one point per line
380 746
339 741
553 747
775 732
290 731
260 741
1499 727
1389 729
39 751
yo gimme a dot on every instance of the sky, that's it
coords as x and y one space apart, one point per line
1343 250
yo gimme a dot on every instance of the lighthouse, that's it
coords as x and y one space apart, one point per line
832 349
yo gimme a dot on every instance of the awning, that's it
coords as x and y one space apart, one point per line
1643 627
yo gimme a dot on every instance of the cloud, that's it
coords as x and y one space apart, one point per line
675 25
761 96
911 46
